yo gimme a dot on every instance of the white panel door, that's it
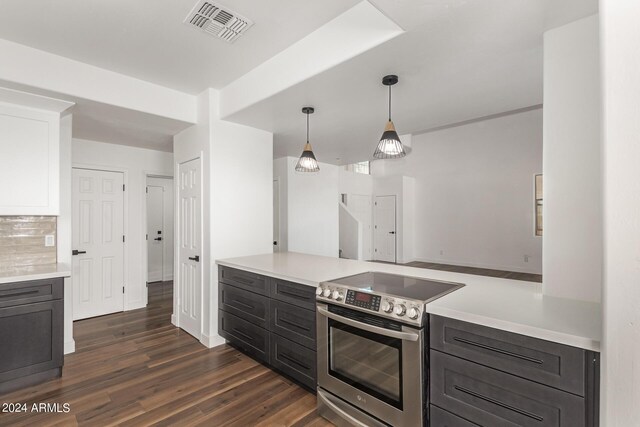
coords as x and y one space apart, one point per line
155 233
384 213
190 247
98 231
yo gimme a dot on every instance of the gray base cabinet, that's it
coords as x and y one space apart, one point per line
31 332
488 377
271 320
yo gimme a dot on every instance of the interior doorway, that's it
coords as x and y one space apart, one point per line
384 216
98 242
159 234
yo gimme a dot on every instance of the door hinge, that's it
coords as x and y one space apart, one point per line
146 237
122 239
123 289
122 187
147 190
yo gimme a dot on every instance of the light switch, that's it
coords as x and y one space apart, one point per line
49 240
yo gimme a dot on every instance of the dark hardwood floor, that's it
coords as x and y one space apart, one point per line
514 275
527 277
136 369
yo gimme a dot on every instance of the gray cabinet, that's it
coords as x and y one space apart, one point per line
272 320
31 332
489 377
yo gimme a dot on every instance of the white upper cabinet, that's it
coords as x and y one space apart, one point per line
29 160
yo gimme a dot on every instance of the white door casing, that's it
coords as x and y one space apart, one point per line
155 233
98 235
385 228
276 215
189 239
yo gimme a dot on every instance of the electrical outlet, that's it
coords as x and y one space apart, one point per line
526 258
49 240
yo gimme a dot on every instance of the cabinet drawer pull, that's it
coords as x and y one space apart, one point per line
250 307
294 361
242 280
498 403
295 325
242 334
18 294
293 294
498 350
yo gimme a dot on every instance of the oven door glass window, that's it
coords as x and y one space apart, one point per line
368 361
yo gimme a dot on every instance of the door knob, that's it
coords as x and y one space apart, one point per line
392 232
195 258
77 252
159 239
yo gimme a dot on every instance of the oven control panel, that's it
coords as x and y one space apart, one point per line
363 300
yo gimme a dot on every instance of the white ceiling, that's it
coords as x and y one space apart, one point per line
147 39
457 60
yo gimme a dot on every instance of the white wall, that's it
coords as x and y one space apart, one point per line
572 189
620 39
313 210
351 234
474 193
168 203
64 244
237 176
136 163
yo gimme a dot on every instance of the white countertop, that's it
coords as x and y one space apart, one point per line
510 305
21 274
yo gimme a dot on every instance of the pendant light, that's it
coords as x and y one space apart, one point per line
307 161
390 146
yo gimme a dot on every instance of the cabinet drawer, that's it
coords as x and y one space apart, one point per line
294 293
243 279
18 293
492 398
251 307
294 360
250 338
31 336
294 323
552 364
441 418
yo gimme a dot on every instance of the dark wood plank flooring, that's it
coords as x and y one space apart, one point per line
136 369
514 275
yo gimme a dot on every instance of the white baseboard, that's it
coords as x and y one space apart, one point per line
167 278
134 305
212 340
69 347
174 320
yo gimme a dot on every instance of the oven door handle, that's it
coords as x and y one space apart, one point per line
407 336
342 414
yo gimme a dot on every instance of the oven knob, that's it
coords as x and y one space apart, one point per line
387 306
336 295
400 310
326 292
414 313
318 291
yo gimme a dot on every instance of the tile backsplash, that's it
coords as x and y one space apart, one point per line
22 241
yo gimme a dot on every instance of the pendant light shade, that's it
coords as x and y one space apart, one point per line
390 146
307 161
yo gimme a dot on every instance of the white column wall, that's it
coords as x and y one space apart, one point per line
572 242
620 383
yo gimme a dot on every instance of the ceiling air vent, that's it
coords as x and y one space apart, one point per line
218 21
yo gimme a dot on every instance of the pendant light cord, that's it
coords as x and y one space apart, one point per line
389 102
307 128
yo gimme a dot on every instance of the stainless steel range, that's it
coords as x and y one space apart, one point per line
373 348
